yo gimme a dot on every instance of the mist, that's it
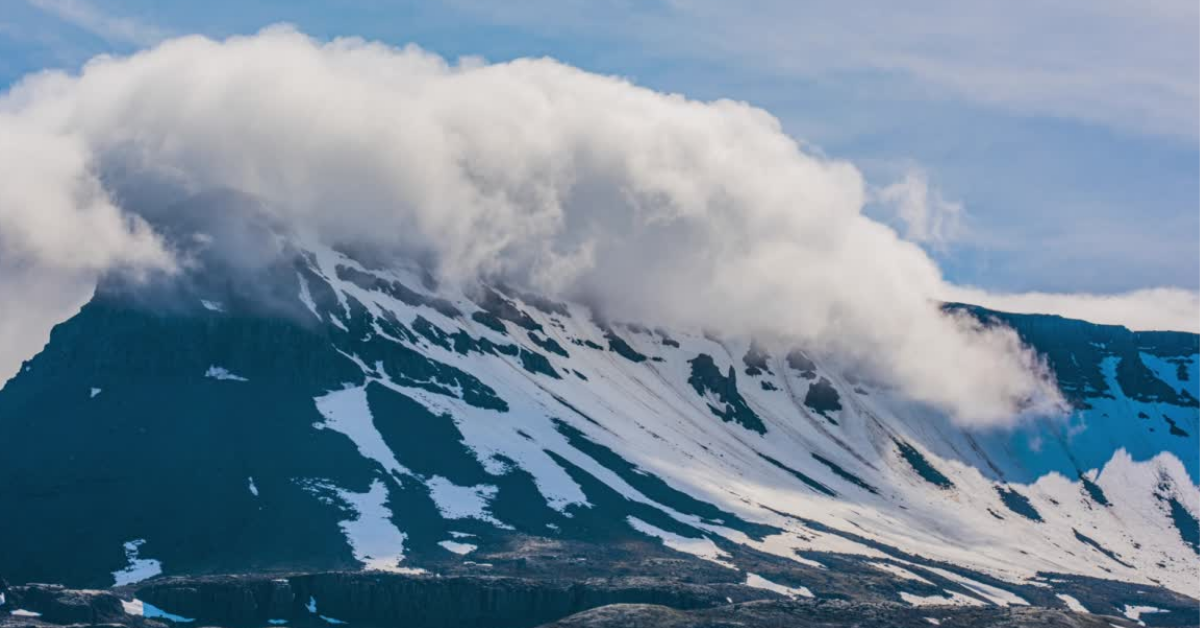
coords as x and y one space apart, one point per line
564 182
1151 309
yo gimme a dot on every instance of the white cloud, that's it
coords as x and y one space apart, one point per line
582 186
1152 309
112 28
927 216
58 231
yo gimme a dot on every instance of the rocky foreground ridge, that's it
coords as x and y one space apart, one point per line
422 601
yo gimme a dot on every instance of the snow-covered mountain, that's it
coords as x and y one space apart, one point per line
364 417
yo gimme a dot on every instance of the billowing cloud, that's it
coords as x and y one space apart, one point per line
59 230
582 186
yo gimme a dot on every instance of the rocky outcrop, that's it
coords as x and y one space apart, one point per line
830 614
53 604
428 601
417 601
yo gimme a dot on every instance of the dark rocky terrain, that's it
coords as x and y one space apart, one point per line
493 602
55 605
829 614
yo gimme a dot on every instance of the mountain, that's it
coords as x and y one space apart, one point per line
339 414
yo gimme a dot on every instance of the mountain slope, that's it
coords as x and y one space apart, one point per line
365 417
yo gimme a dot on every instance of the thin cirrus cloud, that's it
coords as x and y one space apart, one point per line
1129 66
656 207
111 28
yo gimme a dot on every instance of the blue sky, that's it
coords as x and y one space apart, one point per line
1067 134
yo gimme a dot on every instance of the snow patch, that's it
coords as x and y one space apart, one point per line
252 487
702 547
347 411
95 391
20 612
462 549
954 599
150 611
311 606
1135 612
463 502
306 296
806 561
997 596
372 535
212 306
223 374
759 582
899 572
138 569
1168 371
1072 603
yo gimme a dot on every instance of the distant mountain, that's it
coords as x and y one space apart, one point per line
362 417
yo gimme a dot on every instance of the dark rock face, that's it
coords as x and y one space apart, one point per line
618 345
923 467
756 360
829 614
802 364
1185 523
396 290
226 600
1018 503
823 398
1075 349
808 481
1087 540
844 474
505 310
133 453
707 378
59 605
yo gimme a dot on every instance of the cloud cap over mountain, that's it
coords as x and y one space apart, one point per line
577 185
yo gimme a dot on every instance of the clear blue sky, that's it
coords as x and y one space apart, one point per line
1069 134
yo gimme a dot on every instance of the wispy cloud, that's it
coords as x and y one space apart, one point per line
1151 309
112 28
1130 66
927 216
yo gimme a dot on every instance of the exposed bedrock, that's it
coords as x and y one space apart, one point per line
416 601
